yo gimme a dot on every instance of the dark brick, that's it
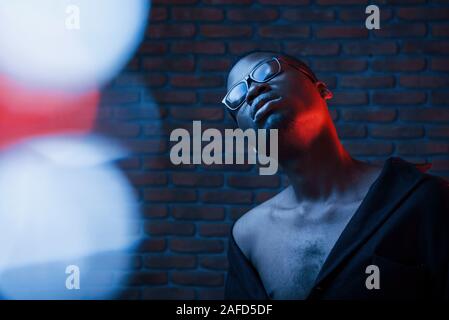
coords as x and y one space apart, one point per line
158 14
153 47
214 230
214 64
305 48
164 228
440 64
170 262
366 81
366 148
396 131
214 262
195 179
440 98
284 31
339 65
169 195
226 31
175 97
233 2
197 113
167 2
121 130
346 131
226 196
168 64
139 113
438 132
198 47
198 278
398 98
340 2
423 148
197 14
143 278
145 146
152 245
191 81
211 294
163 162
423 81
264 196
305 15
401 30
168 293
241 47
440 30
399 64
369 115
180 30
196 245
337 32
284 2
251 182
358 14
440 164
198 213
237 211
423 13
155 211
147 178
252 14
426 47
349 98
424 114
370 48
119 97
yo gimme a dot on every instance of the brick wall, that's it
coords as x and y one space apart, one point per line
390 98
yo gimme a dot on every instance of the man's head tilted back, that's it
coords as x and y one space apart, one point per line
275 91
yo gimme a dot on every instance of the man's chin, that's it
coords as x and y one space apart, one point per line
273 121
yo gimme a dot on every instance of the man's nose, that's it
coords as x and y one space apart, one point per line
256 89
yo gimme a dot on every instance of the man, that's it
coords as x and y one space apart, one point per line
343 229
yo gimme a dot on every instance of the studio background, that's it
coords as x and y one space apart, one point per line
390 99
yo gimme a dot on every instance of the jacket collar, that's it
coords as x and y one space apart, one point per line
396 181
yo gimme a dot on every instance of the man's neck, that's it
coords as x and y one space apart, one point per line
327 173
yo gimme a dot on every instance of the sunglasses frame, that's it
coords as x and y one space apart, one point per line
250 76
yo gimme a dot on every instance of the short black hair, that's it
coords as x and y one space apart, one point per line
294 60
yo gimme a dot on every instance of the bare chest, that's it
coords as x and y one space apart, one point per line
290 254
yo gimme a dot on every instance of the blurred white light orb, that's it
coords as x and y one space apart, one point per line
63 203
69 44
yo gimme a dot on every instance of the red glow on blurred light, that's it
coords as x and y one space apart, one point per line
27 112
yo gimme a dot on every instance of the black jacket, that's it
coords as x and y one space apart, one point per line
402 227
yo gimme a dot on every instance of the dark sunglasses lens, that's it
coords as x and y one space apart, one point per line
236 96
266 71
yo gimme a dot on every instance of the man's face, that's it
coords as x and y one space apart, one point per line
285 101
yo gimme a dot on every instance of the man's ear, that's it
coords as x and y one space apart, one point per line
325 93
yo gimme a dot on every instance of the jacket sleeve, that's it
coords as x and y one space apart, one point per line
234 287
242 281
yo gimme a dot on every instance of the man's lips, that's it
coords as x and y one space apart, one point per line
264 106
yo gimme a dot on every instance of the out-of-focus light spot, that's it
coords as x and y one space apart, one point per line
27 112
62 203
70 44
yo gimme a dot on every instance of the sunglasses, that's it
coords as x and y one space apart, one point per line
262 72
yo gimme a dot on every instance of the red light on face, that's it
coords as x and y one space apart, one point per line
27 112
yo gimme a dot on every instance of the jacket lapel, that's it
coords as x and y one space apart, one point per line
397 180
